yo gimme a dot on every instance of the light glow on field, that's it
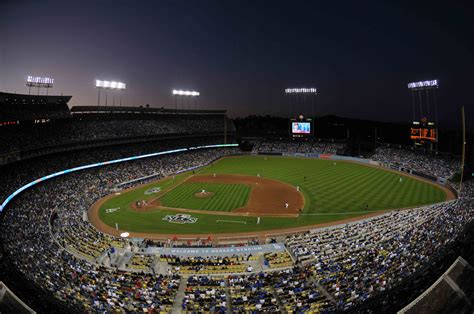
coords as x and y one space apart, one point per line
104 163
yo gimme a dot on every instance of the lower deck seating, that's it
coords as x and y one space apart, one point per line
141 262
280 259
205 294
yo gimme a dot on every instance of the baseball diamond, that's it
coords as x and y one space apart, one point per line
317 192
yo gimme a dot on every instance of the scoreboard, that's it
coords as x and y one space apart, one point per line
301 127
423 132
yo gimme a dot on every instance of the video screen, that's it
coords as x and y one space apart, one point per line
301 127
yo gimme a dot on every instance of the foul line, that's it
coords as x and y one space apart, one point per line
234 221
348 213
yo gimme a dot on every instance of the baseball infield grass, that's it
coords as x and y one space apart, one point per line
333 190
226 196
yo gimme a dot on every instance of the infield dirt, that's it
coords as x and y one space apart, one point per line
268 197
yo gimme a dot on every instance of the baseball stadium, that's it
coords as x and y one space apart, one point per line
196 204
256 195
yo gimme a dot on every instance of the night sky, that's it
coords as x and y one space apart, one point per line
242 54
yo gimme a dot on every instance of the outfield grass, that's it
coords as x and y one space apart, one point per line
332 192
226 196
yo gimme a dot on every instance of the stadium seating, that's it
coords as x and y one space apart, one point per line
82 131
205 294
286 146
335 268
439 166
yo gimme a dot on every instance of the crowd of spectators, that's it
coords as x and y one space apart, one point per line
380 252
79 131
205 294
418 160
207 265
293 146
38 252
252 293
337 268
20 173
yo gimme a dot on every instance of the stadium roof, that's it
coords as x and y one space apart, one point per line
30 107
12 98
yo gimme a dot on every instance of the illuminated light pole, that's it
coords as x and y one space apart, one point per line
419 87
428 87
39 82
184 94
311 91
106 85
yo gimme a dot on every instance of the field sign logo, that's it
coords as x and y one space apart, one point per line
153 190
180 219
111 210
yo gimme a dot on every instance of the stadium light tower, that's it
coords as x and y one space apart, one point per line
109 85
39 82
419 87
184 94
295 93
423 118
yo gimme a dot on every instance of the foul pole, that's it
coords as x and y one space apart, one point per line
463 148
225 128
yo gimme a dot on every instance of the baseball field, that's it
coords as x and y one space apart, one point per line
258 193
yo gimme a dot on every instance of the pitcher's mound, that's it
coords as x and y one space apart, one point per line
204 194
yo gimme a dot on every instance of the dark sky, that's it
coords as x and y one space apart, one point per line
242 54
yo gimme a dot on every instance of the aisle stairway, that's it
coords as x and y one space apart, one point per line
178 299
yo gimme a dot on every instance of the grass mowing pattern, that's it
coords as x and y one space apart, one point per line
226 196
343 187
337 191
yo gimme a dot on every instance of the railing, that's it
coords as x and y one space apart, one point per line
11 302
412 307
